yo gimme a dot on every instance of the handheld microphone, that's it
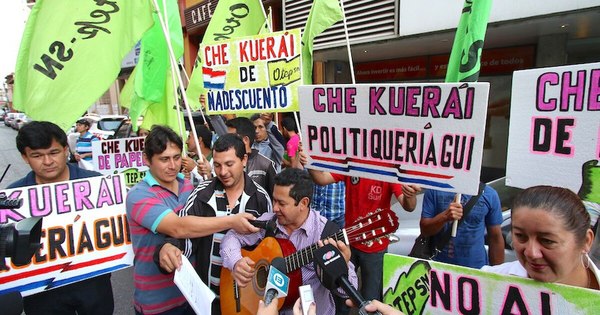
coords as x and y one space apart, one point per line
332 270
267 225
277 281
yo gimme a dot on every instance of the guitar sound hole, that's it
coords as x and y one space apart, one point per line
261 276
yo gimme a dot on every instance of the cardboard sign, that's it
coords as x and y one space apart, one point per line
84 233
427 134
120 156
258 73
427 287
554 133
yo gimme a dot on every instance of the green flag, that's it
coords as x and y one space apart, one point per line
152 76
71 52
154 56
249 17
465 58
165 111
323 14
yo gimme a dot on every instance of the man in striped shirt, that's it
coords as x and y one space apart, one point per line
153 206
83 147
231 195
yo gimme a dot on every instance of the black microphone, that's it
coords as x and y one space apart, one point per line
268 225
332 270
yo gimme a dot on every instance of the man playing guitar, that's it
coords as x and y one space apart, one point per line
298 224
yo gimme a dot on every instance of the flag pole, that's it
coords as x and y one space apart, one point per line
348 42
187 78
174 63
173 80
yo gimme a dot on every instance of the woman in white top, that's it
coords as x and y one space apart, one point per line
552 238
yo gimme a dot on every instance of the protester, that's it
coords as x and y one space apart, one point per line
266 143
198 168
552 238
229 201
259 167
290 132
153 206
467 248
272 127
43 146
83 146
330 201
365 195
142 132
296 222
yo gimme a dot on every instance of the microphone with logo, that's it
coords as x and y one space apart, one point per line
332 270
277 281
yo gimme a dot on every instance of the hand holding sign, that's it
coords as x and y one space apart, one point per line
456 213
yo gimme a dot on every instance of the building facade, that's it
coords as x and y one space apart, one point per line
410 41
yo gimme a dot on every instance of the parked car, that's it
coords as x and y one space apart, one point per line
14 123
409 229
22 121
8 119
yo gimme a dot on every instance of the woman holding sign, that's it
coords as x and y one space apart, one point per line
552 238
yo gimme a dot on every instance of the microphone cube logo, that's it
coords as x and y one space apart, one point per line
278 279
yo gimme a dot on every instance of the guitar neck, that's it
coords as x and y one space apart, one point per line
305 255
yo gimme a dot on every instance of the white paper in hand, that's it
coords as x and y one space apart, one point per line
191 286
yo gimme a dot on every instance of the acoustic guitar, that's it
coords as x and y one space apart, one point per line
238 300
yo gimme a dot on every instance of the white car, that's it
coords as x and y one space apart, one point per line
409 229
102 126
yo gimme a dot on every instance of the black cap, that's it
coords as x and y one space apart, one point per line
84 121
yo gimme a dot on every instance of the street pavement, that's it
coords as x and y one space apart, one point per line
122 281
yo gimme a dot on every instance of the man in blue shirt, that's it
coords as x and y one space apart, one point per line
43 146
467 248
84 142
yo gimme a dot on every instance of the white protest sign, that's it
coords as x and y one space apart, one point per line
428 134
84 233
120 156
427 287
554 133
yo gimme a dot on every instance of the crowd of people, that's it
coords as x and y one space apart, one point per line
201 205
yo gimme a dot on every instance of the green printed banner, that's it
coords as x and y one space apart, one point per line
71 53
426 287
253 74
231 19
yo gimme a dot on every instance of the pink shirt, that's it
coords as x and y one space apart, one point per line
292 145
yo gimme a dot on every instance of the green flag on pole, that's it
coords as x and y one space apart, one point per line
71 52
323 14
151 78
154 55
465 58
164 112
249 17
